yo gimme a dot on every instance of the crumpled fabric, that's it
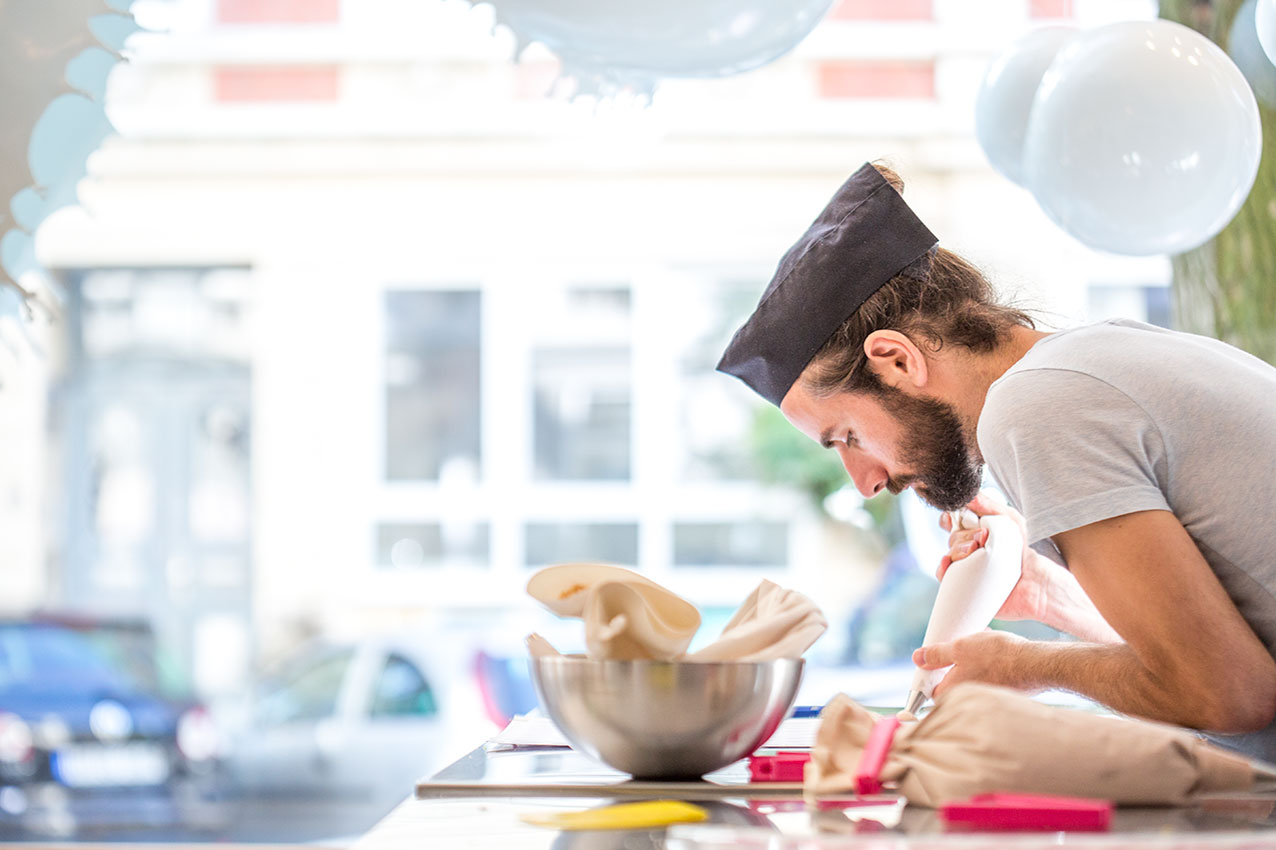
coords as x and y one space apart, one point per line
980 739
628 616
772 623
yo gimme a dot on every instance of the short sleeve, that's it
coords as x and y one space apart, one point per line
1069 449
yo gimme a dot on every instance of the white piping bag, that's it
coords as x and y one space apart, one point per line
972 591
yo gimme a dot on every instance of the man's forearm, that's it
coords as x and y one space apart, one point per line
1108 673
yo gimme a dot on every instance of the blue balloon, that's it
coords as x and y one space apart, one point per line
612 45
11 304
17 254
70 129
88 71
31 206
113 30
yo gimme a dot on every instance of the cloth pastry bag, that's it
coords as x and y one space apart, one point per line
979 739
772 623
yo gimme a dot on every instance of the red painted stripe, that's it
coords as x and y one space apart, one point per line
876 79
876 10
243 84
278 11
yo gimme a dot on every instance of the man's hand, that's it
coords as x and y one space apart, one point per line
1045 592
1188 656
963 541
991 656
1028 599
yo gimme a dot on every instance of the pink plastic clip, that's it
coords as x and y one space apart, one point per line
1025 812
869 769
784 766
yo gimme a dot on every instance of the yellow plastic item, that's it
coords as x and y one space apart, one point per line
645 815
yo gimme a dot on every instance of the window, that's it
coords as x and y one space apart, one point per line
581 383
1149 304
432 544
581 413
554 543
31 654
730 544
432 384
307 691
401 691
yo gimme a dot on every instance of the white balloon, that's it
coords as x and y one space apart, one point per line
610 45
1006 93
1265 23
1144 138
1246 51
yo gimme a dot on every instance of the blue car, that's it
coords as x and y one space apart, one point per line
86 748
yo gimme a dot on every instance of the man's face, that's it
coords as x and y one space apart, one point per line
889 440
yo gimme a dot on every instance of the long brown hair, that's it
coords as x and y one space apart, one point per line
941 299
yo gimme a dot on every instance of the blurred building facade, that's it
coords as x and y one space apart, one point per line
365 320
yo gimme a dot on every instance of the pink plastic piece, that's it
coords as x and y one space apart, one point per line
1028 812
869 769
784 766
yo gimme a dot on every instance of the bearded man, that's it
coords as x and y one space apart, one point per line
1141 462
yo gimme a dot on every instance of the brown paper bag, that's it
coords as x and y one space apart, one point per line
980 738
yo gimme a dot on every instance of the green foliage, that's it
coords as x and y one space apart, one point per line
784 455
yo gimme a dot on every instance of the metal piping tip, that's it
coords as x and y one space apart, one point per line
916 699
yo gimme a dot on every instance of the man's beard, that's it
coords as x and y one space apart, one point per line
935 448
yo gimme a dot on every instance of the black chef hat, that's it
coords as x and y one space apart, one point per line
863 238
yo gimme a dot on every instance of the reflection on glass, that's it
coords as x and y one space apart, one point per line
308 691
34 656
581 411
553 543
730 544
432 383
401 691
219 487
432 544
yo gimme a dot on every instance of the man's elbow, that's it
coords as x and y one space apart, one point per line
1246 703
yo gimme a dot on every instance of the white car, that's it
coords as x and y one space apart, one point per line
341 732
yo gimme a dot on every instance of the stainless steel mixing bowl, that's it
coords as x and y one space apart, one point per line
666 719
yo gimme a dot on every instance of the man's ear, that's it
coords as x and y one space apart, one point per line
896 360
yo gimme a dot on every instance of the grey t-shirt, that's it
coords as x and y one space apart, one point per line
1117 417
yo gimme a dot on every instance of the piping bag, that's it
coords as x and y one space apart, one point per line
970 594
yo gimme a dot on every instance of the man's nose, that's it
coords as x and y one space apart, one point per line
869 476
